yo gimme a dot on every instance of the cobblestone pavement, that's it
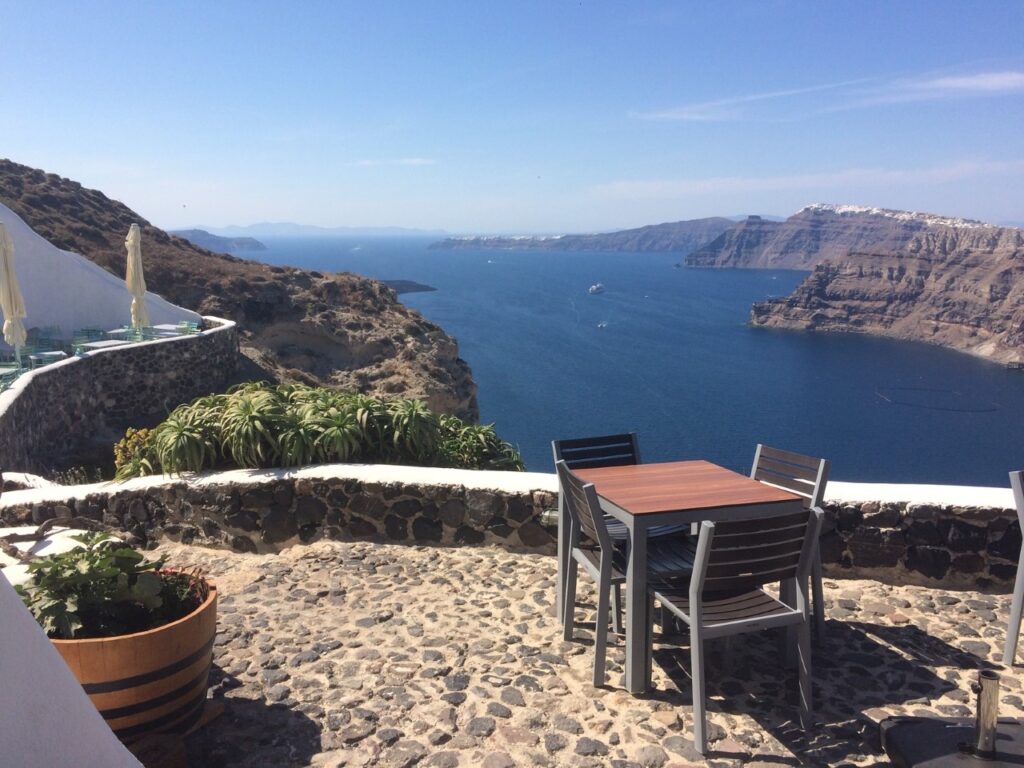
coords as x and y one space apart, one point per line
353 654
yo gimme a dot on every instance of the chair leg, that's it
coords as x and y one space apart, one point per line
617 609
700 731
569 611
1013 629
649 638
804 661
601 632
819 597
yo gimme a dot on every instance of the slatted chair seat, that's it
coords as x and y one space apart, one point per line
725 612
723 595
590 558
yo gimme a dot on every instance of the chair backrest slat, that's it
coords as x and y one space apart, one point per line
581 502
600 451
805 476
747 554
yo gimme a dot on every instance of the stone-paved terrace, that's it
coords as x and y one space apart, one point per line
352 654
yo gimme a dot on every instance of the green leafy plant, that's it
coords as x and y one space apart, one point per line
106 588
261 425
134 454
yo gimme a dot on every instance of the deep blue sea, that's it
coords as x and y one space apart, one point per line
667 352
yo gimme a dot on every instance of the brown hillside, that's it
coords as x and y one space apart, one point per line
337 328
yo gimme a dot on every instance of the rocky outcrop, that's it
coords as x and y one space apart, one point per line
676 237
219 244
335 329
953 282
961 289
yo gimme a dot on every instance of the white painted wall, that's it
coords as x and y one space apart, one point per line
66 290
47 719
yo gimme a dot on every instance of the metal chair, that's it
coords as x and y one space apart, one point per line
724 595
591 547
1013 629
602 451
806 476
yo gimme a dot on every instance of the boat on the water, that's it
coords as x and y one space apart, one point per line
603 324
596 288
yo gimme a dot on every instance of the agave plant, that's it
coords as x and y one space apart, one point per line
260 425
184 443
374 424
340 434
297 438
414 431
249 427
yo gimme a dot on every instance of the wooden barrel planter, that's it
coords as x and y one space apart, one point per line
149 682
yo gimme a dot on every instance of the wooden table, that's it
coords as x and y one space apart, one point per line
647 495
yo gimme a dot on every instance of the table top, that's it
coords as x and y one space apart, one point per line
166 327
103 343
645 489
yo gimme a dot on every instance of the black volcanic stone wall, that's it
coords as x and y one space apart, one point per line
923 543
266 514
67 409
895 543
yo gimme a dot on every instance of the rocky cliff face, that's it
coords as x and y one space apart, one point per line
818 233
676 237
911 276
338 329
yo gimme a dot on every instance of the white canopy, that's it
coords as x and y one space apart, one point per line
134 279
12 305
67 291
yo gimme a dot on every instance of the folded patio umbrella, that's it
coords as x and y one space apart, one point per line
11 302
134 279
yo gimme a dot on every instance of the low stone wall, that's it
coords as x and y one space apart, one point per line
974 542
924 543
264 511
50 413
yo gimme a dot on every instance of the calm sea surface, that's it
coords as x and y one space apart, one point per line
667 353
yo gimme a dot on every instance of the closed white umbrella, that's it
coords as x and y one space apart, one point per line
11 303
134 279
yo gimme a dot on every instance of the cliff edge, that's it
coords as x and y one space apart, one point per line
337 329
954 282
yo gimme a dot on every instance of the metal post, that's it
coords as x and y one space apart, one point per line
987 689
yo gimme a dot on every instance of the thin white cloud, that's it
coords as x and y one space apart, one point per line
724 109
663 189
842 96
408 161
984 82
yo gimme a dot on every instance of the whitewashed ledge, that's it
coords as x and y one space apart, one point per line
932 534
471 479
839 492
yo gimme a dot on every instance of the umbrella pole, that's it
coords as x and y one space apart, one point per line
17 356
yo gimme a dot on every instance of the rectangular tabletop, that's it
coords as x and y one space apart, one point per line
643 496
103 343
679 486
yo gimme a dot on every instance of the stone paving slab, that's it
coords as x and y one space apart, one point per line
361 654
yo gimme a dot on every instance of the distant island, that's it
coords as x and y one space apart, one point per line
676 237
408 286
219 244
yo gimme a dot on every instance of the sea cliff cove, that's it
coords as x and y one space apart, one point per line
513 386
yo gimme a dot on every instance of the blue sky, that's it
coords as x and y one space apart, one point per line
521 116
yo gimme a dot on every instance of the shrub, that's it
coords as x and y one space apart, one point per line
260 425
106 588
